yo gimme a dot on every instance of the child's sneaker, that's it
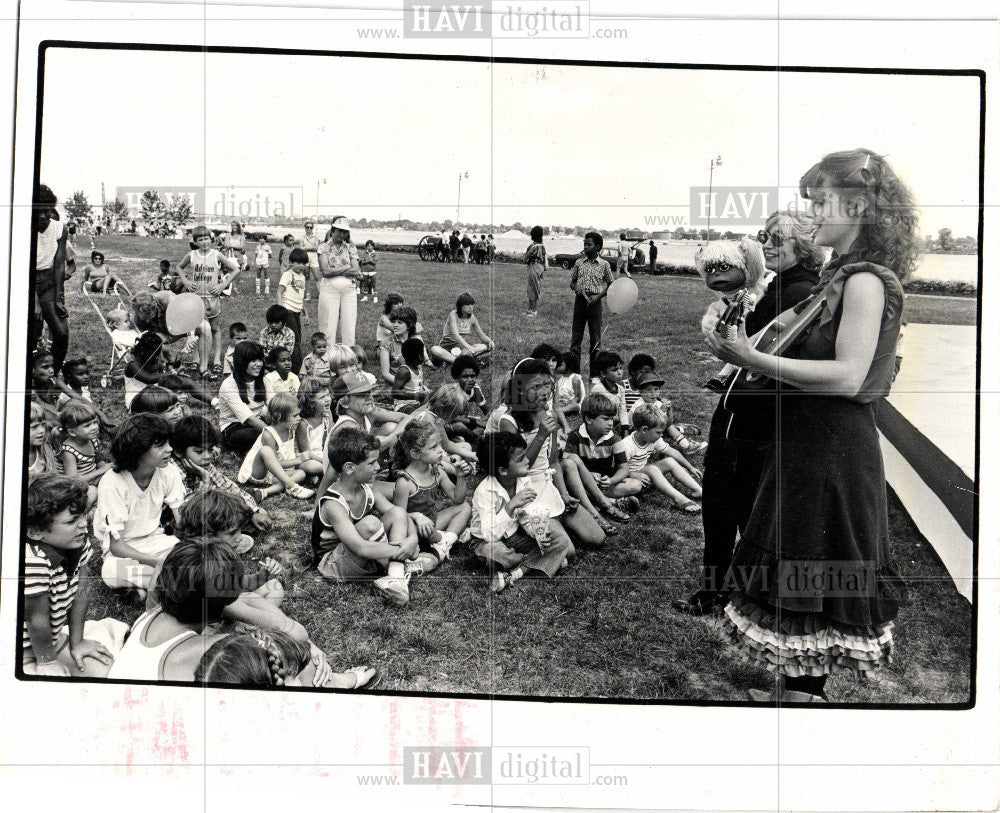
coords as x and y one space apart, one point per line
501 581
627 504
374 300
364 298
395 590
443 548
267 288
423 563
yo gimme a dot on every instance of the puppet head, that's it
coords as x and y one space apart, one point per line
726 266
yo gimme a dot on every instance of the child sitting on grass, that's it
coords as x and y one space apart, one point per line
384 329
272 463
390 348
500 500
195 443
41 456
408 388
608 381
447 403
194 586
458 330
266 660
81 447
315 423
214 517
595 466
280 379
468 426
277 333
647 385
146 367
570 391
57 639
237 333
650 457
316 365
350 541
160 401
426 491
166 280
131 499
44 392
76 374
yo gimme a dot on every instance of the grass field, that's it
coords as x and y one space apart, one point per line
605 628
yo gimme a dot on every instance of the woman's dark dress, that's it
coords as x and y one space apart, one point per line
818 589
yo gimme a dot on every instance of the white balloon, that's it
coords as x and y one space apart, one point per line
623 293
185 312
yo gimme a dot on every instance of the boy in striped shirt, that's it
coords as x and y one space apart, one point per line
55 638
595 463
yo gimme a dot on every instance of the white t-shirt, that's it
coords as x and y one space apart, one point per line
232 408
47 243
274 383
639 456
129 512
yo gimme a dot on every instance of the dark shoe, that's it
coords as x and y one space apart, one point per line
715 385
701 603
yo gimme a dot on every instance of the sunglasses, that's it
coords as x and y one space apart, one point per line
776 238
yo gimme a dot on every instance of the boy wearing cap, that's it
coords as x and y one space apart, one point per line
353 396
648 383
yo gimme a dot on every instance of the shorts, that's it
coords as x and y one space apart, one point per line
343 565
121 572
96 286
213 307
108 631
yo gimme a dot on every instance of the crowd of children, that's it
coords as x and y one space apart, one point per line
404 475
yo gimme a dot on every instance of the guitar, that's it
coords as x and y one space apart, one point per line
753 394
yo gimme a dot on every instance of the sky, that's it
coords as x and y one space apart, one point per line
555 145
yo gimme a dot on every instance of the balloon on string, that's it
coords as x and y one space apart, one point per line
623 293
184 313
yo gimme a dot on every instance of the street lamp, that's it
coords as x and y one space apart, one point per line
458 208
317 196
715 162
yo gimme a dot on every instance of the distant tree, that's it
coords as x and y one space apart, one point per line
153 205
945 240
929 243
77 205
116 210
179 210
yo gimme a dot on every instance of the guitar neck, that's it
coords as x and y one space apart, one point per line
790 333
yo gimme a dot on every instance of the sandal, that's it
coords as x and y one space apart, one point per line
359 672
613 511
609 528
208 375
299 492
689 507
217 369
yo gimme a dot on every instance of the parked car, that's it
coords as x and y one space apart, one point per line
609 253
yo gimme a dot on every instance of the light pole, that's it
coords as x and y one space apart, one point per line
715 162
458 208
317 196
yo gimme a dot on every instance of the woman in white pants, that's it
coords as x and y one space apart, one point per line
338 293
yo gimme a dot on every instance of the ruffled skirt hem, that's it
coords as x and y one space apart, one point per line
804 644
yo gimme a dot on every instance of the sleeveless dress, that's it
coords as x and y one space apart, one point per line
816 585
285 452
137 661
426 500
333 558
316 435
85 463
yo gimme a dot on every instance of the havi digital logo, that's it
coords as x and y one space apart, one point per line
429 20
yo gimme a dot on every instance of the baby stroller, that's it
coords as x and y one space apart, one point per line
120 346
